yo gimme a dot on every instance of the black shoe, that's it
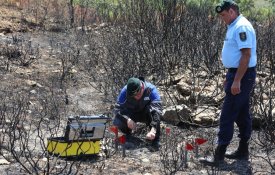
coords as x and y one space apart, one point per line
218 158
155 145
241 153
211 161
237 155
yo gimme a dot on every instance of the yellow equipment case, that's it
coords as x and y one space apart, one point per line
82 137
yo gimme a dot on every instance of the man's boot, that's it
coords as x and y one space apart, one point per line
241 153
156 143
218 157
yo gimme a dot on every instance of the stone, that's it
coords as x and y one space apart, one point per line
4 162
205 115
176 114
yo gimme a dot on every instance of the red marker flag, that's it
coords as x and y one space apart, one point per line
168 130
200 141
188 146
122 139
114 129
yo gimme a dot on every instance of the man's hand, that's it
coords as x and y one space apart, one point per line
131 124
152 134
236 88
244 62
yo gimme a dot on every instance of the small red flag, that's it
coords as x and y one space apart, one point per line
200 141
188 146
168 130
122 139
114 129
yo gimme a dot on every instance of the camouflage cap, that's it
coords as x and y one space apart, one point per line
225 5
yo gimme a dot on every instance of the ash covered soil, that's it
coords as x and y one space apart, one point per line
139 159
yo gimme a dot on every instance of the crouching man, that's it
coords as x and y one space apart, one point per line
139 101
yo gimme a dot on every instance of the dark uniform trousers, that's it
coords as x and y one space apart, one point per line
144 117
236 108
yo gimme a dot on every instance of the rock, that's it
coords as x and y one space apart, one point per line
183 88
33 83
72 71
145 160
207 99
205 115
265 97
4 162
7 121
33 91
262 74
58 166
196 89
202 74
176 114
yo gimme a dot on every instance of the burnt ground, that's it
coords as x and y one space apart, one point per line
140 159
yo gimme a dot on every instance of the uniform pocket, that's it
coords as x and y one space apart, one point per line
248 81
229 81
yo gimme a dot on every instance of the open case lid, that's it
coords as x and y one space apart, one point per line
93 118
86 127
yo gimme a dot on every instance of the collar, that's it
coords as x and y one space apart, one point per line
235 21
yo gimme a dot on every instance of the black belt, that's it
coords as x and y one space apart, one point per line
233 70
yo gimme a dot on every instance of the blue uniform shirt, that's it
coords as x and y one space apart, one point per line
240 34
150 101
150 96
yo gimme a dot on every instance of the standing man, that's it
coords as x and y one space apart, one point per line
139 101
239 57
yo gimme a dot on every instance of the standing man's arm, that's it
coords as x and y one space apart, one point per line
244 61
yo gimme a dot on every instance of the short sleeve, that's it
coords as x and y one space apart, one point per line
244 37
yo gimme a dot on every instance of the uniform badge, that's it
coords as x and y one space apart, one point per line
146 98
243 36
218 9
